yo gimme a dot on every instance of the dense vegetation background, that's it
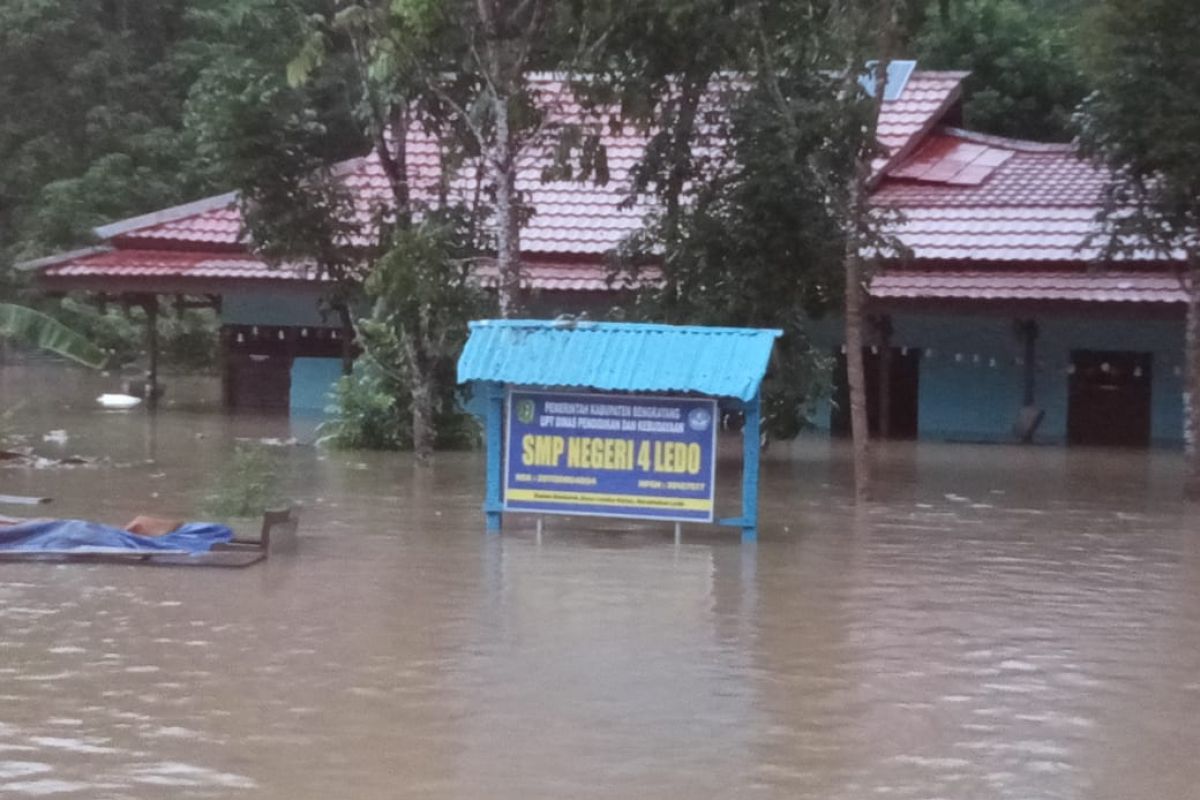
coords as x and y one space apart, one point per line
101 100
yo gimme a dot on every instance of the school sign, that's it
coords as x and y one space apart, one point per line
614 419
611 455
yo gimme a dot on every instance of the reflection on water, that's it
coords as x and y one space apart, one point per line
1005 623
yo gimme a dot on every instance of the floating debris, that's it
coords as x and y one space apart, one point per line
118 402
56 436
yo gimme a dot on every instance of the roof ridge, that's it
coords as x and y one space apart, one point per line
162 216
590 324
1019 145
961 74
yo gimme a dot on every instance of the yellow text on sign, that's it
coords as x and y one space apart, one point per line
600 452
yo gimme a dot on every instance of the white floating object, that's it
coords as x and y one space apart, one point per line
118 400
56 436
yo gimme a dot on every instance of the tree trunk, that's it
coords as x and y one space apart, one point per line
683 134
1191 394
856 375
423 392
508 229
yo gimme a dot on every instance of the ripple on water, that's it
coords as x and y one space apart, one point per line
175 773
46 787
21 769
93 746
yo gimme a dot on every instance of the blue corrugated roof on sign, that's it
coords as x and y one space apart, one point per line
618 356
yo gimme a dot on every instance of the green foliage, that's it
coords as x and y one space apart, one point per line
245 487
269 140
91 130
762 238
1026 78
35 329
402 390
94 94
188 340
122 335
368 412
1143 122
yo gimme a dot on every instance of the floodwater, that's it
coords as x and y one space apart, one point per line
1004 623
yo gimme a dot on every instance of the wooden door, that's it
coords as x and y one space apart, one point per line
259 381
1108 399
903 391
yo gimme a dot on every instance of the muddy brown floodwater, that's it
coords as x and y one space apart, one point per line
1004 623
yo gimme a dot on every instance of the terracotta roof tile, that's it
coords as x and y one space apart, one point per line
1048 285
123 264
184 264
570 217
969 197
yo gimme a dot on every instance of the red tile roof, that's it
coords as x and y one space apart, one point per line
1047 285
926 98
172 263
217 226
966 199
570 217
208 266
969 197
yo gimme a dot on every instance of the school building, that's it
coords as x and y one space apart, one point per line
999 324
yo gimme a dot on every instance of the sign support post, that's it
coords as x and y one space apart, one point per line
493 502
751 447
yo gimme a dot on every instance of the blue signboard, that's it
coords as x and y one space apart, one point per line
610 455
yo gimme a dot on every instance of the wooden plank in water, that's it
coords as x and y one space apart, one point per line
166 558
22 500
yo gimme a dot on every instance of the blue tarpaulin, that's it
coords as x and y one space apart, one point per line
79 536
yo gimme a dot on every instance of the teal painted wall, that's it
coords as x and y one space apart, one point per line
299 306
312 381
971 382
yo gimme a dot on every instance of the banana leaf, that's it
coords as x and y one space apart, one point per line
35 329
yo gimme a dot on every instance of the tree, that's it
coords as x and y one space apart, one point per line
92 94
408 256
774 224
872 25
423 295
1143 124
488 49
743 233
1024 58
